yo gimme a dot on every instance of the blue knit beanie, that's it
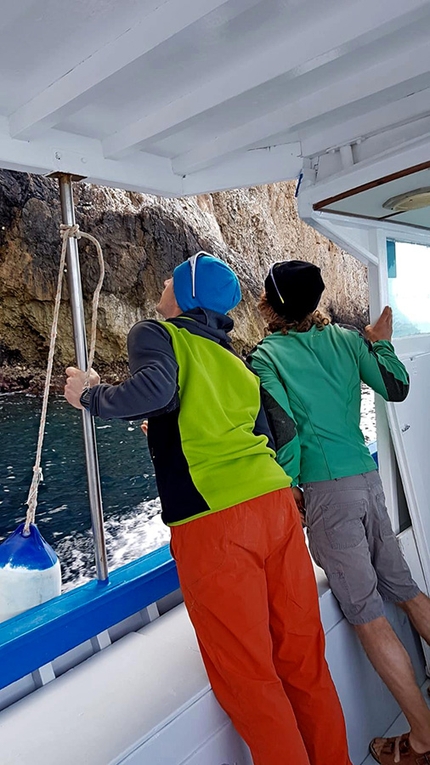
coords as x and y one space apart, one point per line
216 286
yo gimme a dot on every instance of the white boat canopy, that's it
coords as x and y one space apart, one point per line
188 96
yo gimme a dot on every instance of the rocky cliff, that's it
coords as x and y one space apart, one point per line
143 239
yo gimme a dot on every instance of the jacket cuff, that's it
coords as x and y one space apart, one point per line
85 399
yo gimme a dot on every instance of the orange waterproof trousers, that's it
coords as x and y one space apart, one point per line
249 587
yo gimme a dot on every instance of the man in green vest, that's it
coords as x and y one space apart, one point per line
245 574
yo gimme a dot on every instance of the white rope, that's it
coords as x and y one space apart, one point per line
66 233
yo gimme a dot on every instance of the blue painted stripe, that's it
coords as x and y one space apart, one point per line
373 449
391 259
34 638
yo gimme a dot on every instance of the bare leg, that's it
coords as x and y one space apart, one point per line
418 610
393 665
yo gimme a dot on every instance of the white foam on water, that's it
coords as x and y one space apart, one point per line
127 538
368 419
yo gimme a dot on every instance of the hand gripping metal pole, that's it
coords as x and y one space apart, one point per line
79 334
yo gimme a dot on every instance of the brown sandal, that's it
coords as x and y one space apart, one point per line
390 751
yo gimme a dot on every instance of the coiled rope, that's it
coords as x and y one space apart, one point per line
66 232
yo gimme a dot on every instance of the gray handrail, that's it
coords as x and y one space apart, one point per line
79 335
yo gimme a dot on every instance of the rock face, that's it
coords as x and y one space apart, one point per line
143 239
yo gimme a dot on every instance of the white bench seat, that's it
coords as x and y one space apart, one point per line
146 699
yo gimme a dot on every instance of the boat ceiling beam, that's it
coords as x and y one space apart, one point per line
177 97
255 168
356 93
403 112
76 155
300 52
73 90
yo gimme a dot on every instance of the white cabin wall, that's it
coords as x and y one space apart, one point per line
378 298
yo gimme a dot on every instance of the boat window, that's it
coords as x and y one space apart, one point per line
409 287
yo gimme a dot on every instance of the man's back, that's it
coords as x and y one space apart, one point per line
213 440
315 376
243 567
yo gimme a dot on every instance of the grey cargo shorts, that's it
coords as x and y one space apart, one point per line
351 538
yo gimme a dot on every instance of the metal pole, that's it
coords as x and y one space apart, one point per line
79 334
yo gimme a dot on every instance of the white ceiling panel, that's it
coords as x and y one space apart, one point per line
187 96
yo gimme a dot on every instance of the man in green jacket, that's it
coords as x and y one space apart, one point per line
311 373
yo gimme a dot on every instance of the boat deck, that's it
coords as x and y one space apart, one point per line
400 725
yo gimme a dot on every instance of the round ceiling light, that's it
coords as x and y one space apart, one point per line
412 200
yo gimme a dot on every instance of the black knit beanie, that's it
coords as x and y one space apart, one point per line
294 288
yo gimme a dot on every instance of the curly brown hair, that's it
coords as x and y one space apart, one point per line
277 323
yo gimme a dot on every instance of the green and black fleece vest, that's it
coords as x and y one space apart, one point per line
208 434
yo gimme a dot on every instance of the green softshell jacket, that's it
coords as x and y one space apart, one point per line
311 385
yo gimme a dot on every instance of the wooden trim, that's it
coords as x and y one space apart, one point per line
386 219
371 185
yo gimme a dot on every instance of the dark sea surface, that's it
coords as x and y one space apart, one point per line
131 506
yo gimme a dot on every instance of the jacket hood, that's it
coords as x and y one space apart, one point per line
210 324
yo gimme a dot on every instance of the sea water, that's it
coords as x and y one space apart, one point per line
133 524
